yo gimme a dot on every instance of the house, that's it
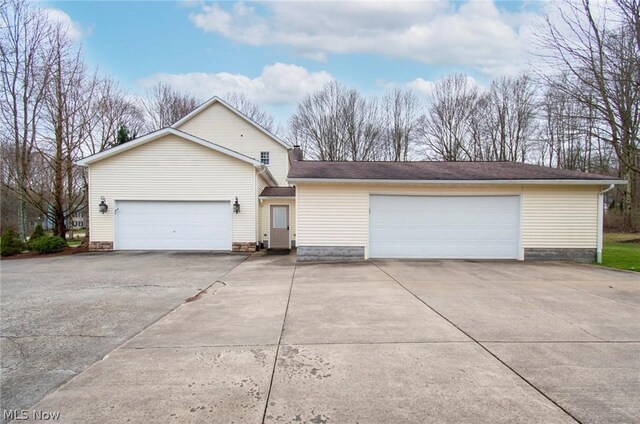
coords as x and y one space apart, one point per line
215 180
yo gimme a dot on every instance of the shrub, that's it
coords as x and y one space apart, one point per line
37 233
10 243
48 244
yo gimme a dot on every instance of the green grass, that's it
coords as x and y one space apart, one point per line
618 254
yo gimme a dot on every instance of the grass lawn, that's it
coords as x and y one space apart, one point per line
617 253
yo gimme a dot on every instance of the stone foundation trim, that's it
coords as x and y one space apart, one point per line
249 246
330 253
100 246
560 254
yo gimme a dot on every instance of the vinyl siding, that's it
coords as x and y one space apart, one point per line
222 126
172 168
265 207
260 185
337 214
560 217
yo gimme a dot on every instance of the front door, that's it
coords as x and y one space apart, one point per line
279 227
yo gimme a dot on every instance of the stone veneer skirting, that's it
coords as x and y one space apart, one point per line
330 253
249 246
100 246
560 254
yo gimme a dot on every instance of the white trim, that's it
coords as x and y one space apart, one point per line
216 99
456 182
271 221
161 133
264 170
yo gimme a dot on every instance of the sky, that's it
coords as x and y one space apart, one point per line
277 52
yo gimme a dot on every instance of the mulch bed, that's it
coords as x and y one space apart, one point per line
66 252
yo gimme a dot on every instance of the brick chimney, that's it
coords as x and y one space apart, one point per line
296 153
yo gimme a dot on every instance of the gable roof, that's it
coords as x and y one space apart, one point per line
216 99
440 172
161 133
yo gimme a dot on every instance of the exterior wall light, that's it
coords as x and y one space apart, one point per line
236 206
103 205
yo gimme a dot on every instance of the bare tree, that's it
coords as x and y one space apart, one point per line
56 186
400 110
601 53
112 111
510 117
251 110
445 129
337 123
164 106
24 74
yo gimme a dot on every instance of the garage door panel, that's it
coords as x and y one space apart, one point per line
166 225
444 227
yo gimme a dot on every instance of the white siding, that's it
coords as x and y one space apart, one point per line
260 185
560 217
552 216
172 168
265 208
222 126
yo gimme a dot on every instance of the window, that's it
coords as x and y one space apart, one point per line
264 158
279 217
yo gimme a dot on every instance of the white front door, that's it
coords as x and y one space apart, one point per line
168 225
469 227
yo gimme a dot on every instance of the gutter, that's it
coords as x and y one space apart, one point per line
456 182
600 235
264 171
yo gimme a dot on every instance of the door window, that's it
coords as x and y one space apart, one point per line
279 217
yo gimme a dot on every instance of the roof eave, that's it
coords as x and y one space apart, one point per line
455 182
161 133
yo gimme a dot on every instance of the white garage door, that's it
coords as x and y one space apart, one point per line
471 227
145 225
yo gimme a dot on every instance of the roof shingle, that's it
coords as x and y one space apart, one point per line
434 171
278 192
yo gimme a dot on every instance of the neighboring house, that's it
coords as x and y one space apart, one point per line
176 188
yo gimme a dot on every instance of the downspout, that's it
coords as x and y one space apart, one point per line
601 222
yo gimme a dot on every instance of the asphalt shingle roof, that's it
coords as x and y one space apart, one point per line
434 171
278 192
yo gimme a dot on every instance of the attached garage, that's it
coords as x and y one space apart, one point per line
172 225
446 210
460 227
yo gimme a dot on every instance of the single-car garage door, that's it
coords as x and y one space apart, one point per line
471 227
156 225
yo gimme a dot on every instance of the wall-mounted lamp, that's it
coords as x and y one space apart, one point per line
236 206
103 205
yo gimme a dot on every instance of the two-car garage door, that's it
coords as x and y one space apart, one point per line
470 227
166 225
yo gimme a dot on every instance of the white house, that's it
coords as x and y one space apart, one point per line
215 180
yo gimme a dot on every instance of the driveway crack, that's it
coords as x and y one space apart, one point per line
480 345
275 360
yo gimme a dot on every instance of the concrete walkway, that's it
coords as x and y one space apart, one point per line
379 342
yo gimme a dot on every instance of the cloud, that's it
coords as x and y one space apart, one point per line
426 87
74 29
473 34
278 84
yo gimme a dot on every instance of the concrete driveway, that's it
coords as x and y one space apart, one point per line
379 342
62 314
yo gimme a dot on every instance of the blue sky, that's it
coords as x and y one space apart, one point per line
277 52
